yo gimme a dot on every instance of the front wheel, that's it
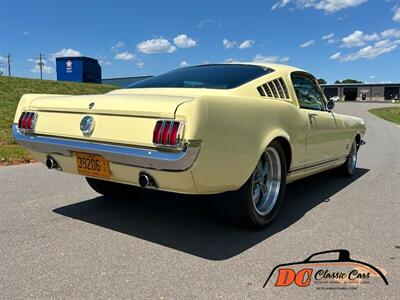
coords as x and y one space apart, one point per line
260 198
349 167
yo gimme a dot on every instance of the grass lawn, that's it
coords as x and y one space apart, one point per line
12 89
391 114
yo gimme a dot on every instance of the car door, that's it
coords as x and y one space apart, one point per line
323 138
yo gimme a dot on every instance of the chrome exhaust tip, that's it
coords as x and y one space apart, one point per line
51 163
147 181
143 180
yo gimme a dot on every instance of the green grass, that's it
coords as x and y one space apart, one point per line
12 89
391 114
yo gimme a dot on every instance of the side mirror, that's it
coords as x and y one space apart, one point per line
330 105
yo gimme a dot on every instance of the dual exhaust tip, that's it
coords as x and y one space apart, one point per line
145 180
51 163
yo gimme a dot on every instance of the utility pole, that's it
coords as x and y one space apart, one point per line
9 64
41 64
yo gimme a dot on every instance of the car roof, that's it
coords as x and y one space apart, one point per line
276 67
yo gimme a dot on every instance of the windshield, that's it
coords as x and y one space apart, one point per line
223 76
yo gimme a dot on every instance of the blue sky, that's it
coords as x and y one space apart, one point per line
333 39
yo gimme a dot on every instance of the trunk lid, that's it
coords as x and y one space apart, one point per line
142 105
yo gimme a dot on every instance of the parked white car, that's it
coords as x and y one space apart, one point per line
335 98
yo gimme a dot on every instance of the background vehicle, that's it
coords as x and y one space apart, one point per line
247 129
335 98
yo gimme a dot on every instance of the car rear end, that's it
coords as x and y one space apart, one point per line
134 139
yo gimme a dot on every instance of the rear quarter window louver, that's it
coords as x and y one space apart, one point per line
261 91
274 89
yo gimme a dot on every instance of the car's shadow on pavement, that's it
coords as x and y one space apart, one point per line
194 224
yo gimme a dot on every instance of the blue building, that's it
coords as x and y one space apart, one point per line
78 69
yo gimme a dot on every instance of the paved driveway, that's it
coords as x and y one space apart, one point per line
60 239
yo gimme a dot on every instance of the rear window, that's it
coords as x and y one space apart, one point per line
223 76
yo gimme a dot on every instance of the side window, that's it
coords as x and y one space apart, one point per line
307 93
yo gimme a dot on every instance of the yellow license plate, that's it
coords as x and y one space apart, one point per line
92 165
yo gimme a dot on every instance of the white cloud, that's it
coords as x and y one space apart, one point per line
103 61
335 56
140 64
246 44
270 59
229 44
328 6
369 52
332 41
183 41
124 56
204 22
234 44
45 69
25 33
279 4
307 44
396 16
372 77
230 60
183 64
117 46
358 39
390 33
332 6
155 46
328 36
66 52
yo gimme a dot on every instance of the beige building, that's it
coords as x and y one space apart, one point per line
363 92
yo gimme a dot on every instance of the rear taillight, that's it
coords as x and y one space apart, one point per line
27 121
168 133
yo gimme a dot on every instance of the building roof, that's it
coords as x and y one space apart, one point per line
359 84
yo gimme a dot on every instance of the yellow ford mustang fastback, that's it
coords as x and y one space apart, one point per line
243 128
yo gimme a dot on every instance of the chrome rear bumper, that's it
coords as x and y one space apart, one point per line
139 157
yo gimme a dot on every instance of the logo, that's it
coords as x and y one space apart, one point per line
326 274
91 105
87 125
68 65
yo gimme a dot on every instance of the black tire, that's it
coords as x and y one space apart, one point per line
241 205
111 189
350 165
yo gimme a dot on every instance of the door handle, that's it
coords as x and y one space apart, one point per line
310 116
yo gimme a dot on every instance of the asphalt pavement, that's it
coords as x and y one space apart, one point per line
60 239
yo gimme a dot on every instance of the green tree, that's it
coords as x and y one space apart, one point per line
322 81
351 81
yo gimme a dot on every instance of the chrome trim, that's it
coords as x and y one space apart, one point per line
139 157
316 164
87 125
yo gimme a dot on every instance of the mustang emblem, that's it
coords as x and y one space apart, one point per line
87 125
91 105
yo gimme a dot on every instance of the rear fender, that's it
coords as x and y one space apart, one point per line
26 101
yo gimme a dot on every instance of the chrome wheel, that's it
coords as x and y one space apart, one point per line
266 181
352 159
